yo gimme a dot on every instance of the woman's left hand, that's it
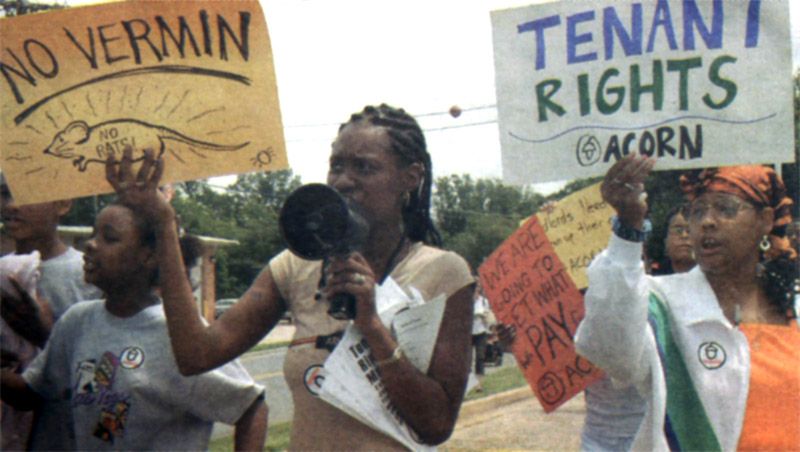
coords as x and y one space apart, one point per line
353 275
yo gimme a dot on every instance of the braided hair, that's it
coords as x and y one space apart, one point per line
408 144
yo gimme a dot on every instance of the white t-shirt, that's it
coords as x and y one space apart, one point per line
120 377
62 283
481 310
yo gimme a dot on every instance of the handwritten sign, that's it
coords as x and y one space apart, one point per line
578 227
528 286
192 80
695 83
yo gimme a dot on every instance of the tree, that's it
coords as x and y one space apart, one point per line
11 8
476 215
246 211
791 171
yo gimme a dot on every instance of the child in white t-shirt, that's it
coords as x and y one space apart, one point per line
111 360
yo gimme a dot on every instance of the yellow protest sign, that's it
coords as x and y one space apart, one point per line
578 227
192 80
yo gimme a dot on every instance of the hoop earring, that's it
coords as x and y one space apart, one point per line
406 199
765 244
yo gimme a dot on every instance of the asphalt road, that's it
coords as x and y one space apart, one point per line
266 368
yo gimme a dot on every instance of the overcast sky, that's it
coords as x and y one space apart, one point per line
334 57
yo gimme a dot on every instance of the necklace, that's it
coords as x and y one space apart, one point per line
390 264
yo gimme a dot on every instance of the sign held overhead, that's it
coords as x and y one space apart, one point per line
192 80
693 83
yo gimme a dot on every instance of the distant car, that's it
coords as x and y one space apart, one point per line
223 305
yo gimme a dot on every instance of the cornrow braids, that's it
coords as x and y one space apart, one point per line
408 143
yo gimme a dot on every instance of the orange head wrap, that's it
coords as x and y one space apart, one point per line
756 184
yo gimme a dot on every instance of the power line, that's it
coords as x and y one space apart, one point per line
436 113
430 129
472 124
421 115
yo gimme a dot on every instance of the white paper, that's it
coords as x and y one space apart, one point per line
417 328
352 383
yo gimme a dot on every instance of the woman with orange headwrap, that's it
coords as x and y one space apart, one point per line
714 350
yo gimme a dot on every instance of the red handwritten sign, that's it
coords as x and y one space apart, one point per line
529 287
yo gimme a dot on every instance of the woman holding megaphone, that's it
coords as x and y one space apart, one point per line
379 164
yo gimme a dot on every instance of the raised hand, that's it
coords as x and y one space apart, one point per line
140 192
623 188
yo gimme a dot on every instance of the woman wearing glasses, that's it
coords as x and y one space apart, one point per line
714 350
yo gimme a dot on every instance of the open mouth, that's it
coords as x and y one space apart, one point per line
709 245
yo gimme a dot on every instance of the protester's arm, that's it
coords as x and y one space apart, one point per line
428 402
31 318
197 347
613 334
16 392
251 429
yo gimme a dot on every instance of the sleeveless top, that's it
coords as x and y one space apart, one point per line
316 424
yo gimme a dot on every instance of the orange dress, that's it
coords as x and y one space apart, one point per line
772 416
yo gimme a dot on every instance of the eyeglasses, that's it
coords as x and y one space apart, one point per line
679 230
726 208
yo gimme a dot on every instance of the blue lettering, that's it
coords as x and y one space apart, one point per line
573 39
539 26
662 18
631 43
692 19
753 23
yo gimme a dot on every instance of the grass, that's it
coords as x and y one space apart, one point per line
495 382
277 439
268 346
501 380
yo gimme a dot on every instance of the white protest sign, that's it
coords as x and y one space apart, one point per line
695 83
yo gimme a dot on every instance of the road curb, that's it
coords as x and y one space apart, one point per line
475 408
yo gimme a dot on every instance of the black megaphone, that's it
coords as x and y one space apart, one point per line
317 222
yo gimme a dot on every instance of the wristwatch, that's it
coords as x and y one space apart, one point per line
631 234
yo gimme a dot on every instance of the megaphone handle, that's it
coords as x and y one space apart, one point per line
322 282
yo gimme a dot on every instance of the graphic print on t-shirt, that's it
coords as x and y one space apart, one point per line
95 386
